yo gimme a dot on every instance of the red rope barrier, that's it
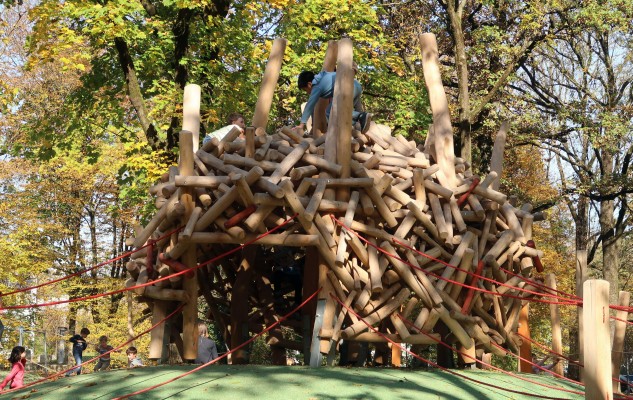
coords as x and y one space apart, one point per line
306 301
178 309
96 296
349 309
410 324
126 254
550 350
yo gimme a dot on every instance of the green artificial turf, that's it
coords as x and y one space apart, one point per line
275 382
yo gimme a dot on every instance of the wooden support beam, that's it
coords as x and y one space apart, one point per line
269 83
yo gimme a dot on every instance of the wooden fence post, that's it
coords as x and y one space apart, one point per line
597 343
557 339
618 339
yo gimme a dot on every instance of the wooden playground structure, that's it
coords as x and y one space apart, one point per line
379 221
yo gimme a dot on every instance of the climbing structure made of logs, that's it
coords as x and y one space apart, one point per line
389 227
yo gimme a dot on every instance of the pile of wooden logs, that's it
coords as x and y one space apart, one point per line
418 206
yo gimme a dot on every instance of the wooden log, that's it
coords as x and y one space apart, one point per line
455 260
375 196
557 338
376 316
496 160
269 82
443 130
597 361
299 173
418 185
189 259
157 293
622 315
191 113
289 161
343 101
147 231
191 223
226 200
461 275
422 288
349 218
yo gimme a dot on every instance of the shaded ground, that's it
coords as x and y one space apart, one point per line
271 382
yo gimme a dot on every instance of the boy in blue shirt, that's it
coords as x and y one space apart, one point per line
321 86
79 345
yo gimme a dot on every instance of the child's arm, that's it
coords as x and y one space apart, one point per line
9 378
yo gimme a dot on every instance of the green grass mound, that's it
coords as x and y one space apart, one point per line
273 382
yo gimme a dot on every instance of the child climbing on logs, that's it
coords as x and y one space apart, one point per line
234 120
321 86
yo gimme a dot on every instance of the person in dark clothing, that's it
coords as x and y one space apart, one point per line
79 345
207 349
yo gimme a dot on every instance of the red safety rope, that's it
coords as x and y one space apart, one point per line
563 357
96 296
550 350
349 309
177 310
621 320
410 324
83 271
280 320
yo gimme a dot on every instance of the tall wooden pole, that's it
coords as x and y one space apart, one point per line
443 130
618 339
319 121
269 83
557 337
191 113
597 343
189 259
526 349
344 98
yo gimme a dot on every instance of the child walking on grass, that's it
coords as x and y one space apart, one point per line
102 348
79 345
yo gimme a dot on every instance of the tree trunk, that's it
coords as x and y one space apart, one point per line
461 65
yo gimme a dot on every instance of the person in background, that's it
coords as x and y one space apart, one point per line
17 359
103 348
132 360
207 349
321 86
79 345
234 120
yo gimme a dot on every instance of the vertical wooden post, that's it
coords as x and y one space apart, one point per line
618 339
191 113
157 348
496 161
240 305
190 285
581 275
557 337
344 95
319 122
269 82
526 348
597 344
443 130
